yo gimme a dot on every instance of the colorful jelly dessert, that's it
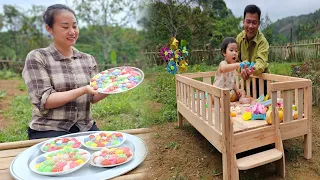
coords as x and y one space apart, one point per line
60 161
117 80
60 143
108 157
104 139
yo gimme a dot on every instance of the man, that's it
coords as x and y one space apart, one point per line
252 45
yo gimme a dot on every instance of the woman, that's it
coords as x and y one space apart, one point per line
57 78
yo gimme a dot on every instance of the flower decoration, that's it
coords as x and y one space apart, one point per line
165 53
172 67
175 56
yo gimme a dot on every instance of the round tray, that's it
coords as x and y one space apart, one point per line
19 168
139 71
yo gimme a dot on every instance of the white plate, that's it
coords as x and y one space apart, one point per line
113 165
50 140
139 71
99 148
33 164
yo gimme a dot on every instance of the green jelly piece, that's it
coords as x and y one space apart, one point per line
115 142
48 163
122 155
48 169
46 148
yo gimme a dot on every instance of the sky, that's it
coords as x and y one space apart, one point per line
276 9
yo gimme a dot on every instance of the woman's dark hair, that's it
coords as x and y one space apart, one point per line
48 16
252 9
225 44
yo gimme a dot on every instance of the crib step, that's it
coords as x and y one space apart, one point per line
259 159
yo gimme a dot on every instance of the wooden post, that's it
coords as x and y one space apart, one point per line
308 114
178 97
228 156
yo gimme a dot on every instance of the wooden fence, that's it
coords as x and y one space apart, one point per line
17 65
290 52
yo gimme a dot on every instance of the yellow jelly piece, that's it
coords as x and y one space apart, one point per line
94 145
48 158
98 137
120 151
246 116
79 161
93 83
37 165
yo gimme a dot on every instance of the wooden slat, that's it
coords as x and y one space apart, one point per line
237 82
11 152
279 94
189 96
268 87
259 159
213 136
294 128
198 74
280 86
254 89
276 77
248 87
299 103
217 113
28 143
210 109
242 84
203 106
251 139
193 100
287 105
184 94
198 102
207 80
200 85
261 87
5 162
5 175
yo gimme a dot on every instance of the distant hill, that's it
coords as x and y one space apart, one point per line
303 27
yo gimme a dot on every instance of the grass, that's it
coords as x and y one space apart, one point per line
8 74
153 102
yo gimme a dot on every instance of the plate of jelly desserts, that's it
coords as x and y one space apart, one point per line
60 143
60 162
117 80
97 141
110 157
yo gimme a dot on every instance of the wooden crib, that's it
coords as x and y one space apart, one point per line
195 92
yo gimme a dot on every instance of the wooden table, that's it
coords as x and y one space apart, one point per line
8 151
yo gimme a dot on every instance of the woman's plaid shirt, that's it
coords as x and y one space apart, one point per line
47 71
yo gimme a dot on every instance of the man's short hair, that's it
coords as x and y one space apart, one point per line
252 9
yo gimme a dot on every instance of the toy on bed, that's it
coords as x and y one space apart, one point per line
258 112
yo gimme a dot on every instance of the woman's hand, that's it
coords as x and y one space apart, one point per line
89 90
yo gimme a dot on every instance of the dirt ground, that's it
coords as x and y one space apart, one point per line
183 153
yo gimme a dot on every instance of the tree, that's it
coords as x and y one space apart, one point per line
101 14
267 28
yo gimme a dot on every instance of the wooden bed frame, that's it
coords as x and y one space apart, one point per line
213 120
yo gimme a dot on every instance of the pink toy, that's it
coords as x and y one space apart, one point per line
258 109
